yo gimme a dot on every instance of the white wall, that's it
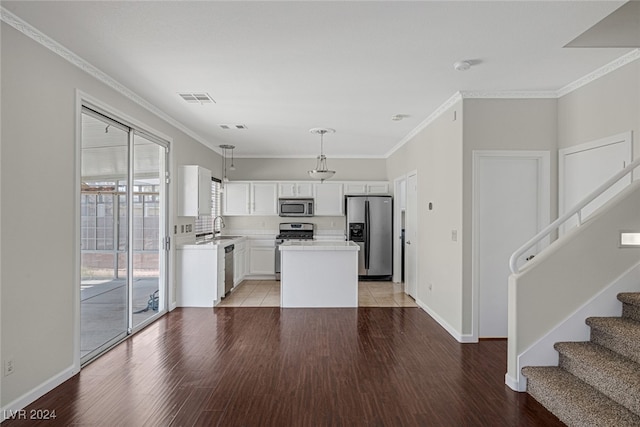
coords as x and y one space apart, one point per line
575 268
607 106
503 124
436 153
442 155
296 169
37 229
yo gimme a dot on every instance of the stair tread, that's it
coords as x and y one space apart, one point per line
611 373
624 327
621 335
573 401
632 298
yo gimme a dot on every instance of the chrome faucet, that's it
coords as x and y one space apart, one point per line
221 222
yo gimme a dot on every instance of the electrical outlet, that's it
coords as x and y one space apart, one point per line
182 228
9 367
454 235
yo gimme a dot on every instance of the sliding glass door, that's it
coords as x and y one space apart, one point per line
148 224
123 206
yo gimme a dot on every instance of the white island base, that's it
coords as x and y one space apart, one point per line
319 274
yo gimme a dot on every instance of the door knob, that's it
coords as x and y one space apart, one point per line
408 242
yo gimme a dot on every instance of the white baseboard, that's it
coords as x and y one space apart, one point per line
461 338
260 277
32 395
514 384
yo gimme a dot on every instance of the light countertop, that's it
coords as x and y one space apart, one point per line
214 243
315 245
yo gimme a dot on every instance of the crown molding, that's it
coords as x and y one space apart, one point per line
487 94
600 72
479 94
307 157
456 97
46 41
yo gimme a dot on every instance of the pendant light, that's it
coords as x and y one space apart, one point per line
226 147
232 167
321 171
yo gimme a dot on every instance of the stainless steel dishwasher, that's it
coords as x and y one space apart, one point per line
228 268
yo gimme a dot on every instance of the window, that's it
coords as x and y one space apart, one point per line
204 224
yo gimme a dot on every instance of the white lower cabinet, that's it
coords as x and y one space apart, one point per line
239 262
198 272
262 259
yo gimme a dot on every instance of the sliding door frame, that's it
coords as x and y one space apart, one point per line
165 249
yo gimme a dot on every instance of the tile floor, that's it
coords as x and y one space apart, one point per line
266 293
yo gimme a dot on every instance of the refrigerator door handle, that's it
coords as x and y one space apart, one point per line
367 233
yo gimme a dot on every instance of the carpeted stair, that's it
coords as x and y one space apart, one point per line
597 383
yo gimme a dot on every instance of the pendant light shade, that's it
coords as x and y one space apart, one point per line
321 171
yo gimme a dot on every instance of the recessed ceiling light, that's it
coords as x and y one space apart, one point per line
462 65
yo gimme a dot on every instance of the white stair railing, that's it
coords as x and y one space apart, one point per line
577 210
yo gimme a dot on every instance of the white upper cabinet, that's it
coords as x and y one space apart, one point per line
261 197
366 187
329 199
295 189
264 198
194 197
236 198
250 198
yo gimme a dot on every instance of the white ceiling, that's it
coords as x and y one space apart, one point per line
281 68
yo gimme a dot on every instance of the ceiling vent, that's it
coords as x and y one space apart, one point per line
239 126
197 98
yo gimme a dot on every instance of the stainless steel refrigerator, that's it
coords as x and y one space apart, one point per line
370 225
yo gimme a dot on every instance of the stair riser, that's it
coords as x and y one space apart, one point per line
553 405
605 384
630 350
576 403
631 312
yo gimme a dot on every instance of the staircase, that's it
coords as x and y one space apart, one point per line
597 383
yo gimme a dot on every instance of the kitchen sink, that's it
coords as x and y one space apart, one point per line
216 239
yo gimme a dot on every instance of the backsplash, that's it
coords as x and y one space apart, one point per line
329 225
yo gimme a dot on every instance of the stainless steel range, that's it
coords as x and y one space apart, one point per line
289 231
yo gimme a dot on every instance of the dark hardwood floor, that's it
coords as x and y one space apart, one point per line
294 367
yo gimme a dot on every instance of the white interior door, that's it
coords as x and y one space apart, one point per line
511 204
411 237
585 167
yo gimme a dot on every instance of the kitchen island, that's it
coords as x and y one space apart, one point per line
319 274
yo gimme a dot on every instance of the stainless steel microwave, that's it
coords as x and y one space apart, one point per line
295 207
